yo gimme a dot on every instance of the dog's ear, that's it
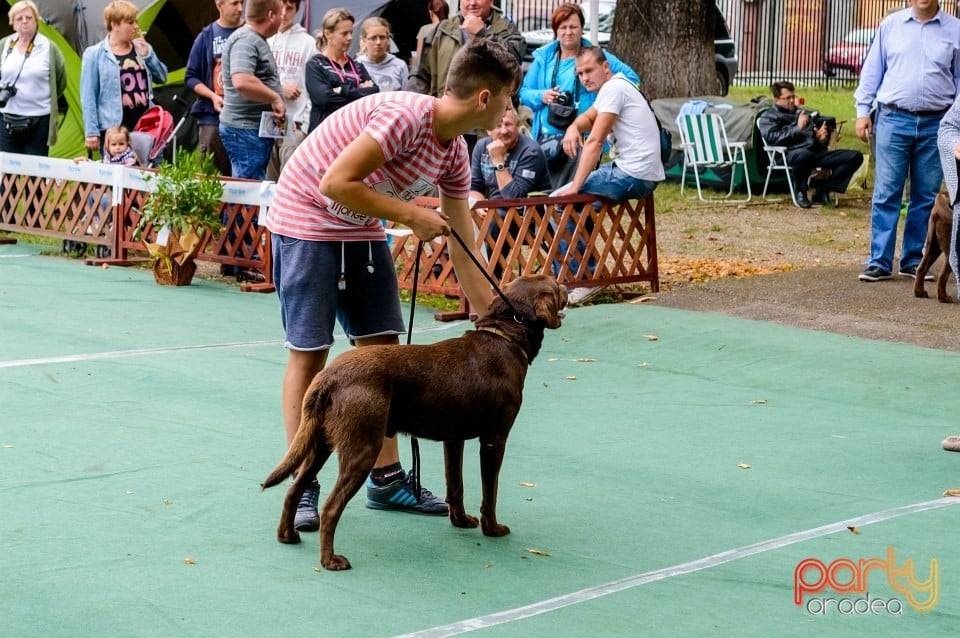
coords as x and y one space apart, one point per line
549 299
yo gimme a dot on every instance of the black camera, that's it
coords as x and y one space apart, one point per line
819 120
7 91
564 98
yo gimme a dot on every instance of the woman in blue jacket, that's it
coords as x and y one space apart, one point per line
552 79
117 75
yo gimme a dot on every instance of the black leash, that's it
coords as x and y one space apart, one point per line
517 316
414 443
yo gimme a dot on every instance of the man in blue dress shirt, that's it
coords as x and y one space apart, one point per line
911 76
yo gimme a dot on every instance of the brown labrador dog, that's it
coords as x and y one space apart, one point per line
458 389
938 242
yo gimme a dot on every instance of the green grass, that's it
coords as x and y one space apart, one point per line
34 239
430 300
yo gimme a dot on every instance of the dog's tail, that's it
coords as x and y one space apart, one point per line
309 439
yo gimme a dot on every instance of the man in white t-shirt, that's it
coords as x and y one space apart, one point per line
622 113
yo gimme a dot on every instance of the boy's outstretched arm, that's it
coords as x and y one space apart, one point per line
343 183
471 279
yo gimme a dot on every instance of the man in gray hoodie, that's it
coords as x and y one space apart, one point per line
292 46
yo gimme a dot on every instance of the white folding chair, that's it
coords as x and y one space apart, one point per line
777 161
705 145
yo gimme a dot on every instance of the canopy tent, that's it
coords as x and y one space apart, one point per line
171 27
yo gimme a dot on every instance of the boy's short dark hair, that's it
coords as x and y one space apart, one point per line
482 64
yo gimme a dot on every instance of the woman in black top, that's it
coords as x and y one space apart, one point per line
333 77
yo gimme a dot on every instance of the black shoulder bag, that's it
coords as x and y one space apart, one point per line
563 112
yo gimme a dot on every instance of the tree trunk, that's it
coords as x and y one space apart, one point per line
669 43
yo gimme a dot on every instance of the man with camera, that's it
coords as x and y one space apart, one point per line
807 138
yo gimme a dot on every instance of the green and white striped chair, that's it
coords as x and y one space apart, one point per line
705 145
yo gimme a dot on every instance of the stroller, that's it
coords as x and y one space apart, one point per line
150 137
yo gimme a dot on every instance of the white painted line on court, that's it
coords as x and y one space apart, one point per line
141 352
591 593
17 256
122 354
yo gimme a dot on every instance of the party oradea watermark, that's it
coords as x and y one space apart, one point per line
859 586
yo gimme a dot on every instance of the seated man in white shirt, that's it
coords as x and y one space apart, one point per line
621 110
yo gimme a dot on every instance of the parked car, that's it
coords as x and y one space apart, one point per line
849 53
725 50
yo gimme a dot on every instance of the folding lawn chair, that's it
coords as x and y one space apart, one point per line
777 161
705 145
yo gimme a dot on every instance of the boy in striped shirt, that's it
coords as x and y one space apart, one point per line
366 162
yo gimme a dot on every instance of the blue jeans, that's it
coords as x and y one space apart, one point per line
608 182
905 144
248 152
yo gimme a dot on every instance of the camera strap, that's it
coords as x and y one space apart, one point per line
26 55
576 83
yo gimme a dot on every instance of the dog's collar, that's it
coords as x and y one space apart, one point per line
501 333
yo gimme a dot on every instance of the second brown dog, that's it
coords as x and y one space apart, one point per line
450 391
938 242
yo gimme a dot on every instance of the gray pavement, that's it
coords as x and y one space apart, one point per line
832 300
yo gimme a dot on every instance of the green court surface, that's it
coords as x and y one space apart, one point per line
666 474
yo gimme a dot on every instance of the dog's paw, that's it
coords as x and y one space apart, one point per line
920 292
462 519
495 529
335 563
291 537
945 299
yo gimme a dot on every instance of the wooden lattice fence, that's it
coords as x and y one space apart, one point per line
98 204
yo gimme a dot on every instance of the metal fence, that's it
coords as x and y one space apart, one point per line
777 39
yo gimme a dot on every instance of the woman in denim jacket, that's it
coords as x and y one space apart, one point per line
117 75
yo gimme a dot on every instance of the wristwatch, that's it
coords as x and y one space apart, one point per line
500 167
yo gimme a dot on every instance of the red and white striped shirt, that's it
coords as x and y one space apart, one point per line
402 124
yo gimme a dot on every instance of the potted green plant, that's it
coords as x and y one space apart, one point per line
183 208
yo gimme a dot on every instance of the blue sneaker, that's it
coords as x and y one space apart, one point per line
307 518
401 495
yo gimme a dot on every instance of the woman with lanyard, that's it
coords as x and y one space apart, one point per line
117 75
32 79
333 78
552 80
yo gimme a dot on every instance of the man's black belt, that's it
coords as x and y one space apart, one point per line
894 107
